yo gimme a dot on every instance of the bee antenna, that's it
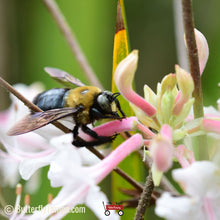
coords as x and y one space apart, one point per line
116 94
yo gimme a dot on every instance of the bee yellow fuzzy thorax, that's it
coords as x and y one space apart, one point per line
82 95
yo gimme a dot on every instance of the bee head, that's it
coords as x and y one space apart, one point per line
109 104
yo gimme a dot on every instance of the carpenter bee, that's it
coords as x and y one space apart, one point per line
85 104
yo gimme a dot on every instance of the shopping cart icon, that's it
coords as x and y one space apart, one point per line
113 206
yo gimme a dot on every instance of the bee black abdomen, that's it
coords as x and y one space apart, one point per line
51 99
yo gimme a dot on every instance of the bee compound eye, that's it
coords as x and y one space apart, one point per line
104 102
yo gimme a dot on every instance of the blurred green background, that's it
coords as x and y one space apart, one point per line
30 40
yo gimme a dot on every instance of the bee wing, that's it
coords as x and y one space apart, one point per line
39 119
63 77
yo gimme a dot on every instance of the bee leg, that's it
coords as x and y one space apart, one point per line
79 142
89 131
96 114
119 108
75 131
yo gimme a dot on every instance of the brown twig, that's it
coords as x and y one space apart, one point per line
119 171
165 183
71 39
29 104
200 142
129 179
145 199
193 57
35 108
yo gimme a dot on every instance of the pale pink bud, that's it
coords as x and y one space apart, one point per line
184 81
161 149
124 75
203 49
186 87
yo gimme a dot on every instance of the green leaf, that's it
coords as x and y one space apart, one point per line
132 164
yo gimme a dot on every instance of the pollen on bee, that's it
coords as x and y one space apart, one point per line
114 107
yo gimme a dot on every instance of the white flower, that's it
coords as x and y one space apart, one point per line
78 182
16 146
201 183
29 152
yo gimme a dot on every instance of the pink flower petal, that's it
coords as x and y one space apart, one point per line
112 128
184 156
161 149
124 75
211 125
203 49
102 169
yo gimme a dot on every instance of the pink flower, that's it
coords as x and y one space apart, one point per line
164 111
169 106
